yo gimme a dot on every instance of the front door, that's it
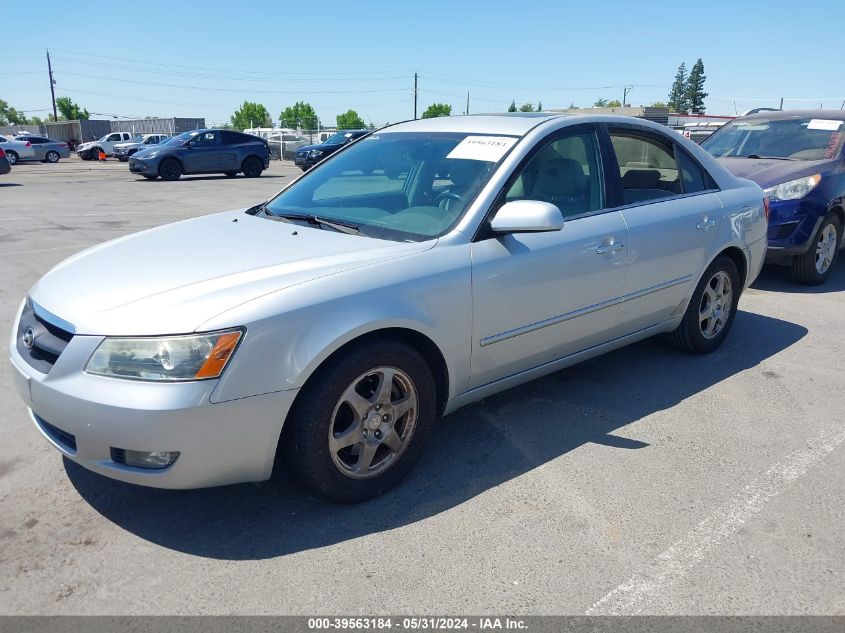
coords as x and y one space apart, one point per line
538 297
204 153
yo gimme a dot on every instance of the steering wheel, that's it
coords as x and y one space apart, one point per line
446 195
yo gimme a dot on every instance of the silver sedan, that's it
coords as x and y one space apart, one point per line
424 267
46 149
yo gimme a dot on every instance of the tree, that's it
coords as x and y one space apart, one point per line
10 116
512 107
349 120
251 114
300 115
70 110
526 107
436 110
658 104
614 103
695 88
678 93
539 106
600 103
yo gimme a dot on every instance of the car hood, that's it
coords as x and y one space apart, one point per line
173 278
768 172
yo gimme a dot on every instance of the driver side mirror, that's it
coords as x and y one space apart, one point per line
189 144
527 216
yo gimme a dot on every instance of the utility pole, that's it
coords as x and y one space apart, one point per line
625 92
415 96
467 103
781 103
52 86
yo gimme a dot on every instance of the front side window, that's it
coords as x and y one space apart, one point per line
647 167
113 138
408 186
564 172
794 138
206 139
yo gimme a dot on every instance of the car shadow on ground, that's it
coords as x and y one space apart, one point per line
777 279
10 184
189 178
476 449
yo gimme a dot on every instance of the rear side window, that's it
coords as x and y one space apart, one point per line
647 167
232 138
693 177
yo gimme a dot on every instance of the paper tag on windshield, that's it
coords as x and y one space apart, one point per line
830 125
486 148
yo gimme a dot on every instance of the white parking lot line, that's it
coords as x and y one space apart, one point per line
648 585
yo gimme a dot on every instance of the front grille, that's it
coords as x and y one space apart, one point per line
62 438
118 455
39 342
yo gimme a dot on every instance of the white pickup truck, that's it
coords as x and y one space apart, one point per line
123 150
92 149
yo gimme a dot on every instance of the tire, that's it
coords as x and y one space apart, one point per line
123 159
52 157
230 174
252 167
323 409
696 334
170 169
150 176
95 153
13 157
813 267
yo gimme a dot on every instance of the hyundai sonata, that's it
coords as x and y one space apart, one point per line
419 269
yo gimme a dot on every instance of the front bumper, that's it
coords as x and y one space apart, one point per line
304 161
792 226
223 443
142 167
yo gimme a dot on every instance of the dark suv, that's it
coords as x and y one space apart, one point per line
309 155
203 152
797 157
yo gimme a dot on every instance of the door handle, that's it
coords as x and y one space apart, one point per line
705 224
609 247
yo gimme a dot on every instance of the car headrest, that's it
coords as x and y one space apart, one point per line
561 177
641 179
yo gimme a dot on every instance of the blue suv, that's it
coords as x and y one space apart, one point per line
796 156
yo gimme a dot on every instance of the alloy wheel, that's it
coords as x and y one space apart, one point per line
52 157
716 305
826 248
373 422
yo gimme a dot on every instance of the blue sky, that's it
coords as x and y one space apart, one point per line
208 57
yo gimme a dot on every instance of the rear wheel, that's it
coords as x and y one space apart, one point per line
711 310
13 157
361 422
170 169
252 167
52 157
814 266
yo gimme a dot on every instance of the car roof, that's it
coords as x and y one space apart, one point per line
510 124
836 115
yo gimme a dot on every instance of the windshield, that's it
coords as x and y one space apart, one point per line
799 138
400 185
138 138
181 138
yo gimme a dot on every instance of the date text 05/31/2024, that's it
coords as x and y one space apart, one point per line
416 623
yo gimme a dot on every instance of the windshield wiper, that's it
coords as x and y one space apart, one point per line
337 225
769 157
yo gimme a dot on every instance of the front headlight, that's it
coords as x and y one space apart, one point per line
315 153
149 155
165 359
793 189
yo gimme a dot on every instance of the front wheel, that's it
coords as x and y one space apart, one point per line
13 157
814 266
52 157
361 422
252 167
170 169
711 310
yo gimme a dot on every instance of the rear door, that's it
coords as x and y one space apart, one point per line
230 151
670 206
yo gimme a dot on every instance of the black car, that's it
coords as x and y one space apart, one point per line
203 152
309 155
